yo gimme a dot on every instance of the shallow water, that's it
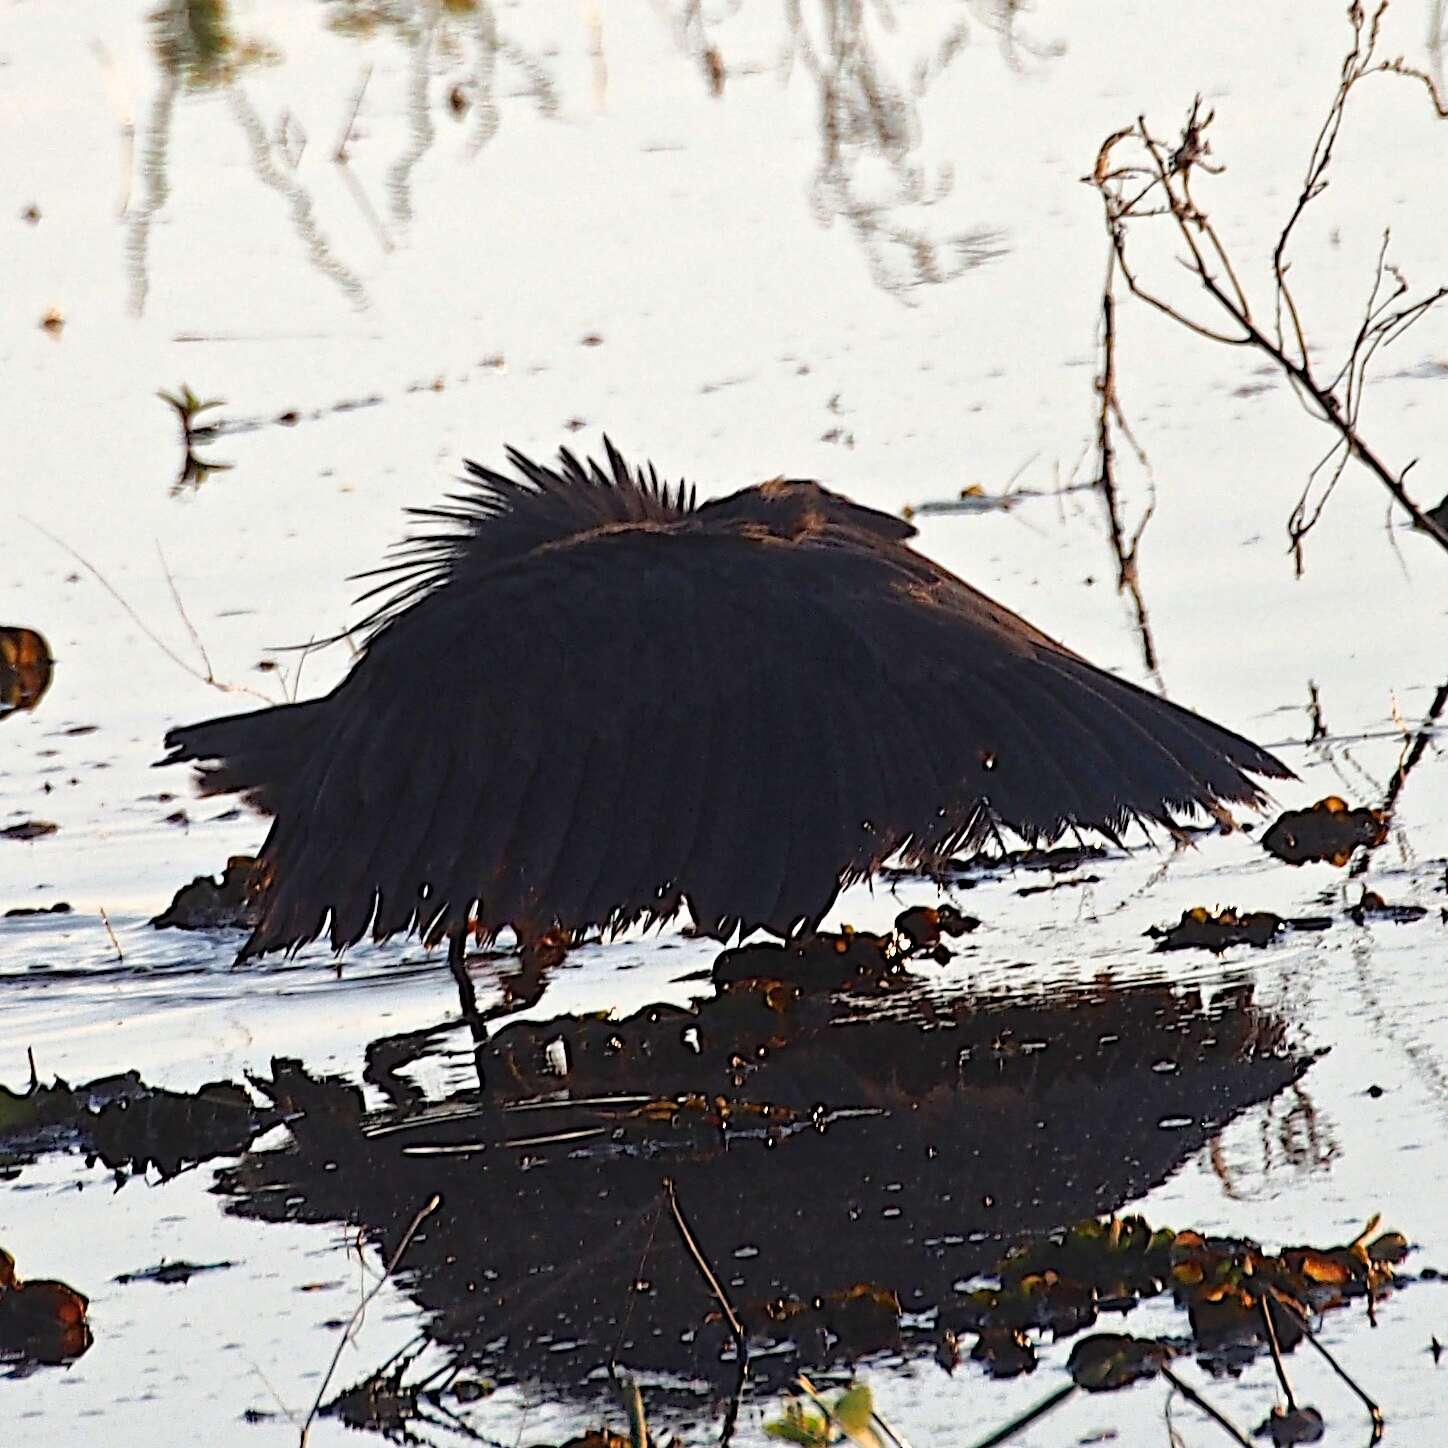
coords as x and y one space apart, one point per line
630 252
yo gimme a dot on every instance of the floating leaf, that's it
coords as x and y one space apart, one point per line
1106 1361
25 669
1293 1425
1328 831
1200 929
854 1412
41 1321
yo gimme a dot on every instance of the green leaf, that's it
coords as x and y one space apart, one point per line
800 1425
854 1411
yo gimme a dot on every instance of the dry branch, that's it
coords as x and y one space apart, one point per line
1140 177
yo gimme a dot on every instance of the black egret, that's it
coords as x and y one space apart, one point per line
586 700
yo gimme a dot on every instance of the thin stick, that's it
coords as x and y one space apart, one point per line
633 1405
878 1420
339 152
736 1327
185 617
1215 1414
1016 1425
115 944
431 1206
288 1413
457 948
1277 1362
206 678
1375 1412
1412 754
293 687
1127 578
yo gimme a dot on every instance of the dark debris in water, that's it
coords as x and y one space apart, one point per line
1285 1426
852 960
170 1274
1372 906
27 830
210 904
1201 929
1328 831
1106 1361
973 498
25 669
962 872
127 1125
1059 1282
42 1322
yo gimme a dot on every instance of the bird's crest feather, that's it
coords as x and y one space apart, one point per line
499 519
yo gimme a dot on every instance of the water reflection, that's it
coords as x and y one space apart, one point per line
868 117
869 172
198 50
870 75
847 1164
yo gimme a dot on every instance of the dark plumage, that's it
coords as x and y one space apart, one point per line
584 700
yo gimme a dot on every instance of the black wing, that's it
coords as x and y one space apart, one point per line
744 722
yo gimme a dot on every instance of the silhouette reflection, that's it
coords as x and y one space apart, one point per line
846 1163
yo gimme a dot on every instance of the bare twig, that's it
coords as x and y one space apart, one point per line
1296 1312
185 617
1215 1414
1108 412
206 678
736 1328
115 944
1158 180
1413 750
1276 1349
1024 1421
423 1214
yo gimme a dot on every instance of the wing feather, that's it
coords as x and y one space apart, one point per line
677 706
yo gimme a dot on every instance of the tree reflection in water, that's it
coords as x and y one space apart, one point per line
871 70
